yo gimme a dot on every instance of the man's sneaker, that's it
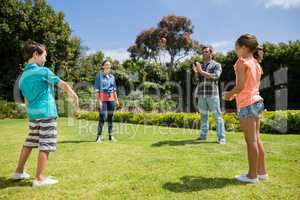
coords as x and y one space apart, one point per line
244 178
222 141
112 138
20 176
263 177
98 139
45 182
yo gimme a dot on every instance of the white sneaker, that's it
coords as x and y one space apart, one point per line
244 178
263 177
222 141
45 182
112 139
99 139
20 176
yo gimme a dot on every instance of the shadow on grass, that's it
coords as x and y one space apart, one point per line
74 141
6 183
193 184
179 143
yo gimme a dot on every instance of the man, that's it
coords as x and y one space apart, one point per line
208 75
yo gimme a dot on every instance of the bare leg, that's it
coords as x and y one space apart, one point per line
261 158
24 155
249 127
41 165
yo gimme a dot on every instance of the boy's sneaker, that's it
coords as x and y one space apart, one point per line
112 138
222 141
45 182
263 177
20 176
244 178
98 139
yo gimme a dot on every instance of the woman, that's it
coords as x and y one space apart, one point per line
105 85
249 105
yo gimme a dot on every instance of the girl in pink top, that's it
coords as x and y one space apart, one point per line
249 105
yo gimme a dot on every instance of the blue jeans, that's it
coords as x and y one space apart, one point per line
109 108
211 104
251 111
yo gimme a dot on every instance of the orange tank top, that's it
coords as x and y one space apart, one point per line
250 92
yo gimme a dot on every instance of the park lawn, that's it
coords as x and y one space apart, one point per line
148 162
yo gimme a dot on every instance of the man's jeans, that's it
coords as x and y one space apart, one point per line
211 104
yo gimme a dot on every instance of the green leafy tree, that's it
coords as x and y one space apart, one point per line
171 37
36 20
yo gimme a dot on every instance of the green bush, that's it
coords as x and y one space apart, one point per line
11 110
271 122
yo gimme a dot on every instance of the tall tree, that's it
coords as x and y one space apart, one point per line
171 37
36 20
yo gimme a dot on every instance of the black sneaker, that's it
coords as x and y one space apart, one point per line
112 138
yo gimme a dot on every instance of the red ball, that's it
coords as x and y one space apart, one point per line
186 34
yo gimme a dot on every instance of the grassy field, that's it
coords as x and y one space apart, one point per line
148 162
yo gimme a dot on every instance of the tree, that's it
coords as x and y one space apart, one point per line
22 20
171 36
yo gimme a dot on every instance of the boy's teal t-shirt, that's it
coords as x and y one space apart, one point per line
37 86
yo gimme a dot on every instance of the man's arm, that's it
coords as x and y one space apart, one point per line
215 75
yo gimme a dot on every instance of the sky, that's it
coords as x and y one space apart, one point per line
112 25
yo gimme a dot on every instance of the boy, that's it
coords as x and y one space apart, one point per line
37 86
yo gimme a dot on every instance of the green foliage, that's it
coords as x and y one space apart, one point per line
174 29
21 20
272 122
11 110
137 101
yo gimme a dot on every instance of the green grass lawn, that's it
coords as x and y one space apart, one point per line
148 162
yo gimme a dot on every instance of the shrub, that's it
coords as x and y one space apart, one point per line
271 122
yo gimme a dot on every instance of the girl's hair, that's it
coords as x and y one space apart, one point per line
249 41
29 47
256 53
104 62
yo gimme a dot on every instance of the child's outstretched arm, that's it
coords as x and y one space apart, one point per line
67 88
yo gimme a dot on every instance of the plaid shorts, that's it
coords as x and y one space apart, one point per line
42 135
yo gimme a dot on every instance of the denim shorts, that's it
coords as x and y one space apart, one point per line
251 111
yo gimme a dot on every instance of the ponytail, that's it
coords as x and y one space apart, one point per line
258 53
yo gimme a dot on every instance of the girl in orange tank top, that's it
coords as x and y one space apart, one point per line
249 106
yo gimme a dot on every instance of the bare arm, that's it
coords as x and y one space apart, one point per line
206 74
116 98
216 75
240 83
67 88
25 103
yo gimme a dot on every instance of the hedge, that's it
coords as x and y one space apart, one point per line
272 121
